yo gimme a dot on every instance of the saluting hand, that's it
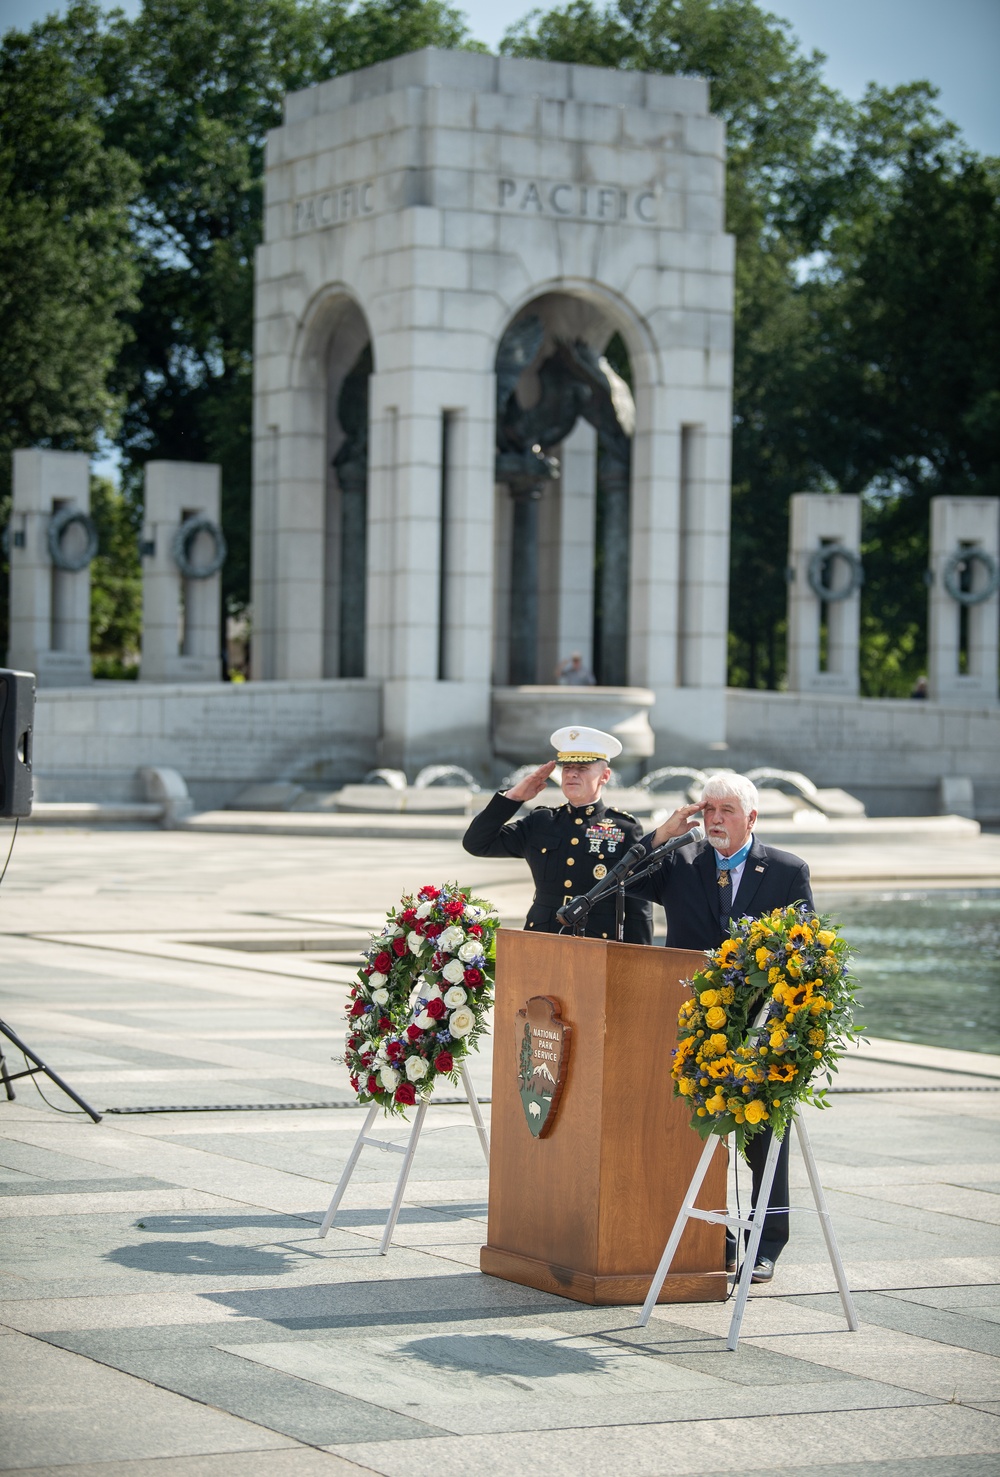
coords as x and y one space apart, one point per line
678 824
533 784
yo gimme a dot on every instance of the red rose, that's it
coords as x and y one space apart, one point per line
385 1024
435 1008
418 929
408 915
438 961
431 930
358 1008
475 930
414 1033
444 1062
473 978
395 1050
455 908
383 962
354 1083
373 1085
406 1093
399 947
426 894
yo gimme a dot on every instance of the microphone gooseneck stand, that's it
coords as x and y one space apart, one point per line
575 913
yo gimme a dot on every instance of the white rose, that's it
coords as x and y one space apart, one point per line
424 1021
415 943
450 940
425 910
455 997
381 997
416 1068
389 1078
454 971
430 989
376 980
462 1021
470 950
473 913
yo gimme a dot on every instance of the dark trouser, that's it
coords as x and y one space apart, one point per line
775 1233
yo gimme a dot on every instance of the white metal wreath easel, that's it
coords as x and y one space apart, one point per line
754 1222
407 1150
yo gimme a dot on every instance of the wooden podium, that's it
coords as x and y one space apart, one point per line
586 1209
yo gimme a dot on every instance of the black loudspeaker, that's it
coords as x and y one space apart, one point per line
17 719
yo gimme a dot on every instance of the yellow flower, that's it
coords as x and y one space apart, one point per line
755 1113
801 934
782 1072
825 937
762 956
816 1007
709 998
715 1017
716 1104
734 1105
773 975
716 1044
701 1112
685 1086
727 948
722 1067
794 966
817 1037
728 994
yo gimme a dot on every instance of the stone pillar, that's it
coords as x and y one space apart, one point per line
964 599
181 632
820 526
49 605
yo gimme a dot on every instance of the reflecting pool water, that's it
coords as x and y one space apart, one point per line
928 963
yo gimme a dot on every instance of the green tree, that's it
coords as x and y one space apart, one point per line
115 582
66 255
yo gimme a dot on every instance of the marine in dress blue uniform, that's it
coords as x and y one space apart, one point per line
568 847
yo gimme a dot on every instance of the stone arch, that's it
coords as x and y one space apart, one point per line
562 565
332 360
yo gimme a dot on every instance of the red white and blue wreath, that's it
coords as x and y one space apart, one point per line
422 996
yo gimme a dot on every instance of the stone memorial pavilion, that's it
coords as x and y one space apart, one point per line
454 487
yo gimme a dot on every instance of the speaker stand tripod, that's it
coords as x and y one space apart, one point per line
8 1077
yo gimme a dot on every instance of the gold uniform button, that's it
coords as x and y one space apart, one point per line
567 883
571 861
578 822
603 935
574 841
544 850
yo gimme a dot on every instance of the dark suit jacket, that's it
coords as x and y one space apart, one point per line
685 885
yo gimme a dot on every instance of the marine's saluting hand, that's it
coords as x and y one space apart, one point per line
533 784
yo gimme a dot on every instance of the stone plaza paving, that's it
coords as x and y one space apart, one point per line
167 1304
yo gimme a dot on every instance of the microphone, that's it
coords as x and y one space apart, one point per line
674 843
579 907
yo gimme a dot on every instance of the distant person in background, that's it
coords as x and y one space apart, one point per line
919 688
572 672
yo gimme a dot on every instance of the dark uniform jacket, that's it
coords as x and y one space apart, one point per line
686 887
565 847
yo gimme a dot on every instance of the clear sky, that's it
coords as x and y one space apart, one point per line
953 43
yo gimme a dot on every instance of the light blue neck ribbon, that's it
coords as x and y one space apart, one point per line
729 863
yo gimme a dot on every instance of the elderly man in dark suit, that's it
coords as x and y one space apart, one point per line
730 874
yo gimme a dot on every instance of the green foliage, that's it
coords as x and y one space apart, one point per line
115 582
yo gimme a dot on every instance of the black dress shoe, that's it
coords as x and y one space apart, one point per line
731 1262
763 1269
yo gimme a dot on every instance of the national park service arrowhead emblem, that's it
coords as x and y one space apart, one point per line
542 1058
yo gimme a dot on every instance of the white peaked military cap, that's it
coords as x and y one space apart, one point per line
575 745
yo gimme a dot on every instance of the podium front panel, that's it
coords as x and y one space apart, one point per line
586 1210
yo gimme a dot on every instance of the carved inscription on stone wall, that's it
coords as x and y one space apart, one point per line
552 199
571 200
334 207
